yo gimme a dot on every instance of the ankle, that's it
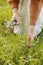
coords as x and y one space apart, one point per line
15 10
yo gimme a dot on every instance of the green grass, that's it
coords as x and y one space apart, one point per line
13 50
13 47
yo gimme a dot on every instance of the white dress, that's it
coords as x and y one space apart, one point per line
39 24
24 13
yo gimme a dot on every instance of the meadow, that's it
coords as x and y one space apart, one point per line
13 47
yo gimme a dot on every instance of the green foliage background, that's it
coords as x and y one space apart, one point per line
13 47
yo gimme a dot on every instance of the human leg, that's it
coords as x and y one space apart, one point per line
14 5
35 8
